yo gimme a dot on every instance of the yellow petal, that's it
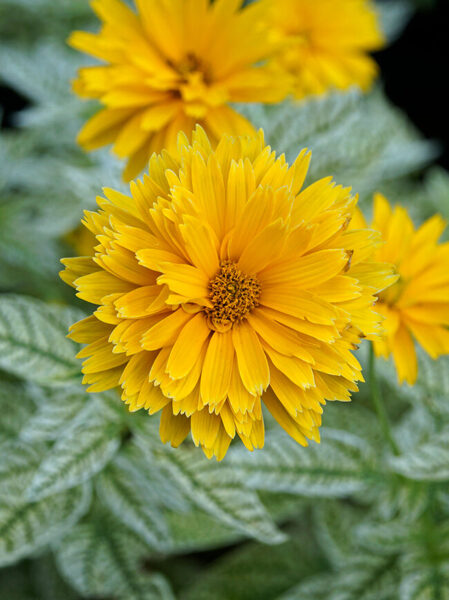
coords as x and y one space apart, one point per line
217 368
251 359
187 347
166 331
173 428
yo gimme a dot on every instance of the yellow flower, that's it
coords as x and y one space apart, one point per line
170 65
417 306
326 43
82 240
221 285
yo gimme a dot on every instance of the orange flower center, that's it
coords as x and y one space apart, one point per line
232 294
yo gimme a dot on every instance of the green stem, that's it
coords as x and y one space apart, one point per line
376 397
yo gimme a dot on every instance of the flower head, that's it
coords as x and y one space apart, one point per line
326 43
169 65
220 286
417 305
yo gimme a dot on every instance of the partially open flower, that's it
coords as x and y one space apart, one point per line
326 43
220 286
169 65
417 306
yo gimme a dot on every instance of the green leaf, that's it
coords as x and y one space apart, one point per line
429 461
25 527
159 489
431 583
250 571
433 383
125 494
18 464
102 558
55 415
402 498
359 139
394 16
341 465
216 490
361 578
33 342
317 588
83 450
334 522
47 581
384 538
16 406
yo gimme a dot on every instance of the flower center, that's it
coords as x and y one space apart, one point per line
392 294
232 294
190 66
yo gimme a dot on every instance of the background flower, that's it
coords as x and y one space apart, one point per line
417 306
221 284
326 43
172 64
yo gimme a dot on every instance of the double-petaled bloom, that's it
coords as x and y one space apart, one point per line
222 285
325 44
417 306
169 65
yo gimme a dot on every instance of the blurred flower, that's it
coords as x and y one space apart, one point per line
220 284
82 241
171 65
417 306
326 43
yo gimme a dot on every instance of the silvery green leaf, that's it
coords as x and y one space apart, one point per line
334 522
249 571
83 450
394 16
340 465
102 558
123 492
317 587
55 415
428 461
384 538
216 490
401 498
16 407
33 343
159 489
28 526
365 577
425 579
362 140
19 462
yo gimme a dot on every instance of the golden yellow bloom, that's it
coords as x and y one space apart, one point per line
170 65
82 240
326 43
417 306
221 285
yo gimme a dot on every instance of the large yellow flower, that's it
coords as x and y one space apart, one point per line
326 43
170 65
221 285
417 306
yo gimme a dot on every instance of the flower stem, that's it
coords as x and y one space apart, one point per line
376 397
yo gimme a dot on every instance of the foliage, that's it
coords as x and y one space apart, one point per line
91 503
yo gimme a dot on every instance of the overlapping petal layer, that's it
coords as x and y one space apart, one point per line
417 306
222 284
169 65
325 43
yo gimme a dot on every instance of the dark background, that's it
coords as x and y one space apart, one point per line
414 69
415 72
